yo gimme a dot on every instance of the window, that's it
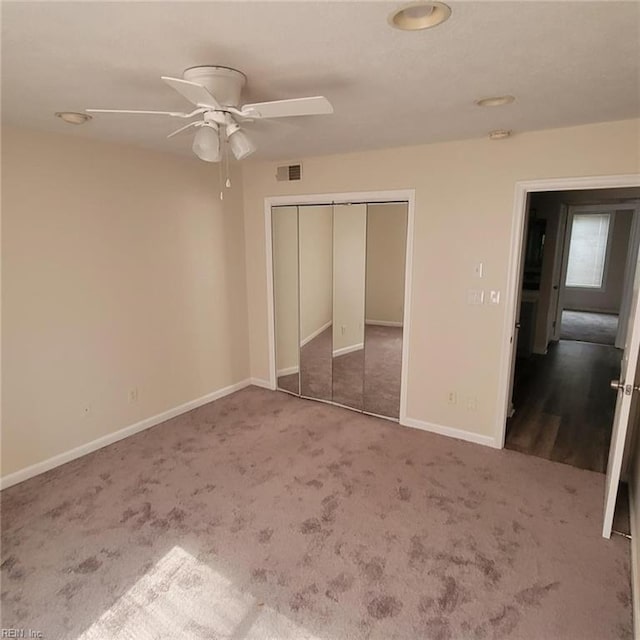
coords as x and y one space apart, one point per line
588 250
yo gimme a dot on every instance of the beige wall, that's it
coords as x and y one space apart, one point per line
285 287
349 248
386 245
609 299
315 224
464 206
121 269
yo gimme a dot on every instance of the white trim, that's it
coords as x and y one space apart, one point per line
604 312
350 349
629 275
260 382
62 458
558 261
286 372
406 320
383 323
369 197
523 188
450 432
635 562
316 333
271 320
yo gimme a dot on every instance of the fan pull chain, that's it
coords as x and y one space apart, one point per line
220 180
226 163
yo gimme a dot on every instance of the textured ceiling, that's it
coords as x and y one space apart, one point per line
568 63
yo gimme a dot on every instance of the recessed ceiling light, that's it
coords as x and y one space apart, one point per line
419 15
499 134
496 101
73 117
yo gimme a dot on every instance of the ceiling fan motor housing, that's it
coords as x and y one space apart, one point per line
222 82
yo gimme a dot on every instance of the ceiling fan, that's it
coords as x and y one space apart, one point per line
215 92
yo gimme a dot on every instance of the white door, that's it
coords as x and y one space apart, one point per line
626 392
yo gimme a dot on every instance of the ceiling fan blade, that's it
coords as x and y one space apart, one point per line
175 114
197 123
316 105
193 92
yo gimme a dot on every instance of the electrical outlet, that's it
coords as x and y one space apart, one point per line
452 397
494 296
472 403
133 395
343 329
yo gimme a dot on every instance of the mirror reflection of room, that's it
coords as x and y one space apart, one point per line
386 251
315 238
339 335
349 259
284 229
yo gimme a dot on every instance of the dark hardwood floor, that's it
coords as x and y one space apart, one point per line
563 404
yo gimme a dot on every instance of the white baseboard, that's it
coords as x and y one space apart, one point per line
460 434
350 349
316 333
62 458
635 561
610 312
261 382
383 323
287 371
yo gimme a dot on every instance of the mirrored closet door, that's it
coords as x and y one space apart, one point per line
338 273
284 233
315 233
384 311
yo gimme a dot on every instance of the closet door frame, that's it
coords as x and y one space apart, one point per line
359 197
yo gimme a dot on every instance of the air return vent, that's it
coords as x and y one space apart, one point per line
289 172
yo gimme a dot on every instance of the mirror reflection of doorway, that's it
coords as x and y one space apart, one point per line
580 250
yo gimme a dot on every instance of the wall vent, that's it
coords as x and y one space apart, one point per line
289 172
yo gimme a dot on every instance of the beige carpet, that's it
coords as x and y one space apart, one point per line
266 516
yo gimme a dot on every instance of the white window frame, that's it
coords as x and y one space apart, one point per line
590 210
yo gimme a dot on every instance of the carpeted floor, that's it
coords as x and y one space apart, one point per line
265 516
367 379
600 328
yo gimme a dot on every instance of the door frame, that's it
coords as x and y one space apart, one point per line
378 197
522 189
558 261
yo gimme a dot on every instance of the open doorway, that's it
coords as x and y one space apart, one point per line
579 253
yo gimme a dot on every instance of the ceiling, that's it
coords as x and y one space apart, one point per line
567 63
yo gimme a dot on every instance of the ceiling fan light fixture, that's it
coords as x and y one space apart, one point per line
206 143
73 117
417 16
240 143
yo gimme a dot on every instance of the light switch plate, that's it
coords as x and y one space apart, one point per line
478 270
494 296
475 296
